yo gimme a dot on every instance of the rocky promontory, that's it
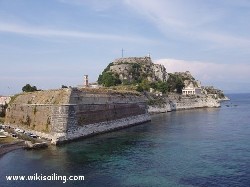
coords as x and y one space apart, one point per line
175 102
164 91
129 89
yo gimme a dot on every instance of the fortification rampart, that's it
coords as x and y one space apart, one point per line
60 115
144 60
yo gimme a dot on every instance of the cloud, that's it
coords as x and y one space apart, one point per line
227 76
176 15
47 32
225 40
194 20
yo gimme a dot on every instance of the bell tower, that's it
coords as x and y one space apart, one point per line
85 81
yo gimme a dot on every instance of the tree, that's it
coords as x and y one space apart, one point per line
29 88
143 86
179 86
108 79
153 85
175 83
162 87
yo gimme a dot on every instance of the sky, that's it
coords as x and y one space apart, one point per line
50 43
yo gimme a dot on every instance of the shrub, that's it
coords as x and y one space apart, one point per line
29 88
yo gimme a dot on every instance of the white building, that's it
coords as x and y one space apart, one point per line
190 89
94 85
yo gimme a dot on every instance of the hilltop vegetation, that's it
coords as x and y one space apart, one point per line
29 88
141 73
108 79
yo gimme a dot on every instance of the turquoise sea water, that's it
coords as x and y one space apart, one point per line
201 147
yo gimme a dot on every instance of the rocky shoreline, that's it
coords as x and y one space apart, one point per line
6 148
178 102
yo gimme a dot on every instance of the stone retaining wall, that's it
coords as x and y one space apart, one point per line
76 112
182 103
96 128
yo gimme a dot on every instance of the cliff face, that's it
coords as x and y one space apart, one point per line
61 114
136 68
176 102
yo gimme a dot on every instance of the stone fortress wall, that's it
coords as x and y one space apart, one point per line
65 114
179 102
145 60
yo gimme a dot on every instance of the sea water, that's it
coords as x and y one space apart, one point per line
199 147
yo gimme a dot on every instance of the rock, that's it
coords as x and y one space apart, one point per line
178 102
30 145
133 68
